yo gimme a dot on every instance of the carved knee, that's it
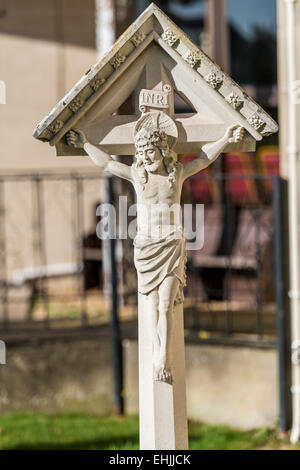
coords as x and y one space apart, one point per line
153 301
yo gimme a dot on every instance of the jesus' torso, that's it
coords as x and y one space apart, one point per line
158 204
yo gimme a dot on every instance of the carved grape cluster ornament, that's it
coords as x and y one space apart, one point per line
169 37
255 121
117 60
214 79
96 83
191 58
138 38
76 104
235 100
54 128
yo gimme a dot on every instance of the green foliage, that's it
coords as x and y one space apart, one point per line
204 437
78 431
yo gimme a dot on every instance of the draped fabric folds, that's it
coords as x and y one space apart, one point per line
156 258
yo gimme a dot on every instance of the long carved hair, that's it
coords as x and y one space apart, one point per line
150 137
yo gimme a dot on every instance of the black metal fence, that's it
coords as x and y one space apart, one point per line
51 271
43 239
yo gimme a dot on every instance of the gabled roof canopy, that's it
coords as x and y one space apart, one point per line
151 51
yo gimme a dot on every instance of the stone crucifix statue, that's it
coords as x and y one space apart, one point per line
159 246
155 62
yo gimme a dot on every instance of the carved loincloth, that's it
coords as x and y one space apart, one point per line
156 258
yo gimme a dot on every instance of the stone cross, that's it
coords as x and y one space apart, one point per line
154 60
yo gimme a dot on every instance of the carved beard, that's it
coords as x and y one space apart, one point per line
152 167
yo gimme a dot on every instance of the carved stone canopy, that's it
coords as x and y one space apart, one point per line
154 59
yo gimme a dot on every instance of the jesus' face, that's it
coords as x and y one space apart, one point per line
151 157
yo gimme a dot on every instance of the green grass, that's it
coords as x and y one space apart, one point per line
78 431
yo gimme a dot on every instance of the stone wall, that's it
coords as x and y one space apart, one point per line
67 374
235 386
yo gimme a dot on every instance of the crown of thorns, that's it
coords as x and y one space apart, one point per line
155 137
155 128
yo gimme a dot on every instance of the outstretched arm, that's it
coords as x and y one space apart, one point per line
210 152
76 138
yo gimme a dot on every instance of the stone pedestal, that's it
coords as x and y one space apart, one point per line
162 407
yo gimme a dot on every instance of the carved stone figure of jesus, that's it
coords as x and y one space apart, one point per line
159 246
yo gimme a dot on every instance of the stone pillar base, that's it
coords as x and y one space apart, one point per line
162 407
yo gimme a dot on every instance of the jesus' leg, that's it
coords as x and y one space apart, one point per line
167 293
152 300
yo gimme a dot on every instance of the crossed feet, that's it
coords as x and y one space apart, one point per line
162 373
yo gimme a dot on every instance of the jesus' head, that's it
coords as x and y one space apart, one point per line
153 154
